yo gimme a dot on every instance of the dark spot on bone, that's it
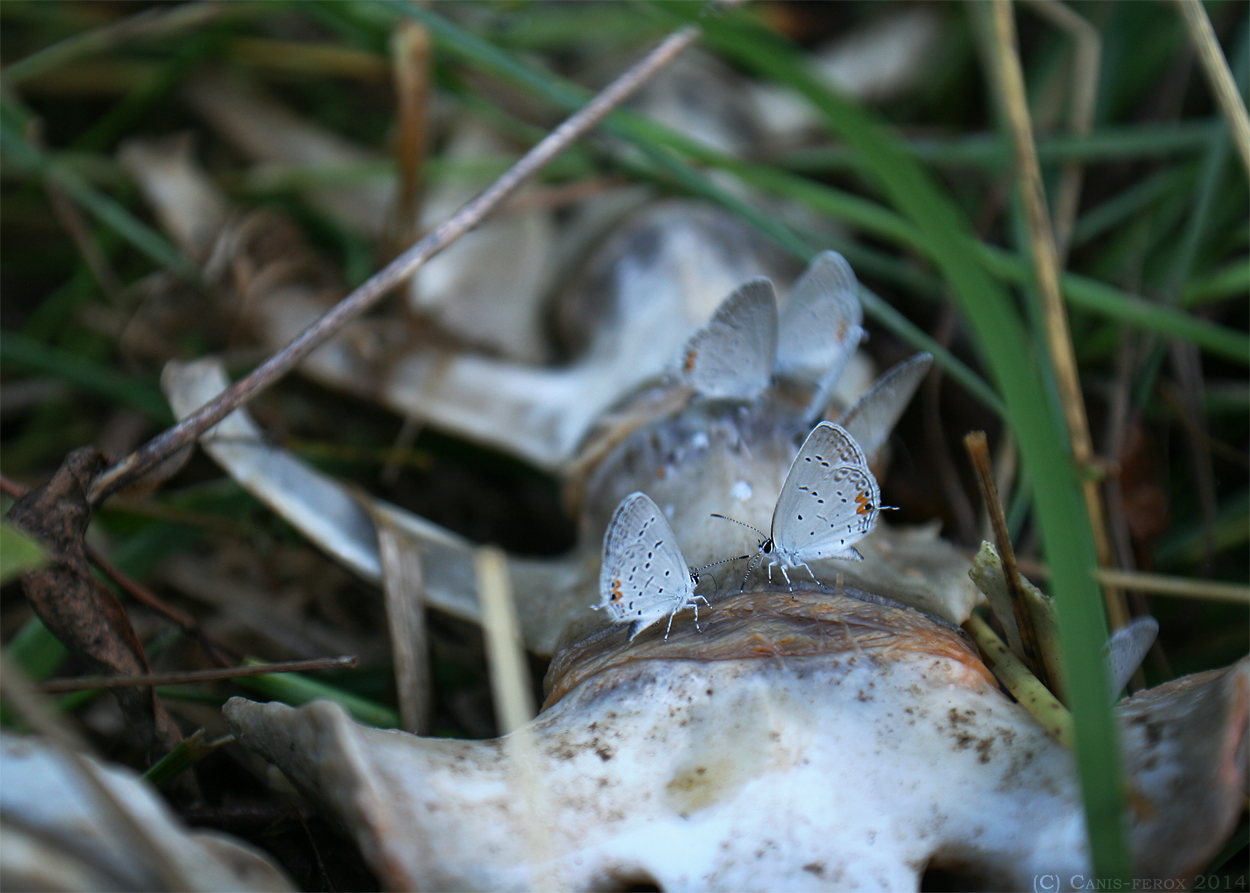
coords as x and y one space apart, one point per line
1154 733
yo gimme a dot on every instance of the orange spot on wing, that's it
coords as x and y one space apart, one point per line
862 504
617 595
688 362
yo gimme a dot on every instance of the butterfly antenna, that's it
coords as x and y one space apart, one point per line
695 571
743 523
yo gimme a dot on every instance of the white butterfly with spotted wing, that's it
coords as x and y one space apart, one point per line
732 356
820 327
828 502
644 576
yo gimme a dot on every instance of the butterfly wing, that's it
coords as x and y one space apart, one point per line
875 414
829 500
644 576
1125 650
732 356
820 326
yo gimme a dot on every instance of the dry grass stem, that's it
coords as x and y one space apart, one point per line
1218 75
1046 269
410 62
1156 584
404 588
505 652
1182 587
1084 85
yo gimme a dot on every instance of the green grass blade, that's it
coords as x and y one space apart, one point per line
26 353
1005 346
296 689
19 553
988 151
104 208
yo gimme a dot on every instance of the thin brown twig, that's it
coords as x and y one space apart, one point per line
185 677
185 432
979 452
1046 271
215 650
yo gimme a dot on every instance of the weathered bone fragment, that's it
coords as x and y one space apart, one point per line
58 835
802 740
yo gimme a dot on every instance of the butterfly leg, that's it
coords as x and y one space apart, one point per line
750 568
789 585
809 572
694 603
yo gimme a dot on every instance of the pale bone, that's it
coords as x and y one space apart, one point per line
268 132
641 295
653 284
58 837
698 96
875 63
333 517
488 286
762 692
191 208
802 740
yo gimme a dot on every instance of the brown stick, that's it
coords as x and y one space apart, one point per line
979 452
185 432
83 683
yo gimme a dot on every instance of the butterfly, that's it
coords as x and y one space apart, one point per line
644 576
732 356
828 502
820 327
